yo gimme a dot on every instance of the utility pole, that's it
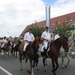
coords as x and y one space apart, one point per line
47 10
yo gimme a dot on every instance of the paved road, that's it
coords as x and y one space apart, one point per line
11 66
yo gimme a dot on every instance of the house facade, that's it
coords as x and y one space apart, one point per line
70 18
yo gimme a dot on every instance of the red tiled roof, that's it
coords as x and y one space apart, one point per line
62 19
59 19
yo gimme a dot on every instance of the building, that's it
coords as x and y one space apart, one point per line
70 18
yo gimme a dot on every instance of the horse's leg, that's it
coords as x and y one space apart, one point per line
12 51
53 65
20 60
44 63
16 54
31 67
26 61
62 57
67 56
5 54
57 65
37 63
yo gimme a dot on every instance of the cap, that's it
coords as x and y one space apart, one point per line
4 36
46 27
30 28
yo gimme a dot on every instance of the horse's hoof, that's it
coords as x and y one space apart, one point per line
37 69
53 72
21 69
6 57
65 65
29 71
45 70
32 74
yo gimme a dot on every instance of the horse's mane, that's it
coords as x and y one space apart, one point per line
55 41
35 41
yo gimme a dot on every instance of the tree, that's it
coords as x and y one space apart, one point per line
36 30
64 29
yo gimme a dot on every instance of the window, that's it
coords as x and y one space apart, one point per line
71 20
66 21
58 22
53 24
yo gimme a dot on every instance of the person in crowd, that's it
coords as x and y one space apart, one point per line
46 39
4 40
28 38
57 35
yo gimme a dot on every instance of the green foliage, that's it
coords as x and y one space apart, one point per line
37 31
63 29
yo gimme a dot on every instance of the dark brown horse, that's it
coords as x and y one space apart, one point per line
31 53
14 49
53 52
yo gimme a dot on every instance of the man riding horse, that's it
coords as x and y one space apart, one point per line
28 38
47 39
4 41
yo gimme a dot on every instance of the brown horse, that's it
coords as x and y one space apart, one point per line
53 52
31 53
6 48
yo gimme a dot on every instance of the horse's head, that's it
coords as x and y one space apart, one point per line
64 43
37 41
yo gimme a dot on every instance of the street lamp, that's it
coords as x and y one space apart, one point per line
47 9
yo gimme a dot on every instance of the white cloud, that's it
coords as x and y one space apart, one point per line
15 15
62 7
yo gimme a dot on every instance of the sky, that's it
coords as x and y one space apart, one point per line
15 15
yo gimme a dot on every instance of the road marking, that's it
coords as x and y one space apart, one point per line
5 71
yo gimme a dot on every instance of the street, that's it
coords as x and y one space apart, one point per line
11 66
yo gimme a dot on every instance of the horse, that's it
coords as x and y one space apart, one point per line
6 48
53 52
14 49
31 54
64 55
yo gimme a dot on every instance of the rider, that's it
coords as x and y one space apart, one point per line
28 38
4 41
47 39
15 42
56 36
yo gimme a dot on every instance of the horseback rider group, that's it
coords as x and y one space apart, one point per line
29 37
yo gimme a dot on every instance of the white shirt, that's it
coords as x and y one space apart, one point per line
46 35
56 37
4 41
28 36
